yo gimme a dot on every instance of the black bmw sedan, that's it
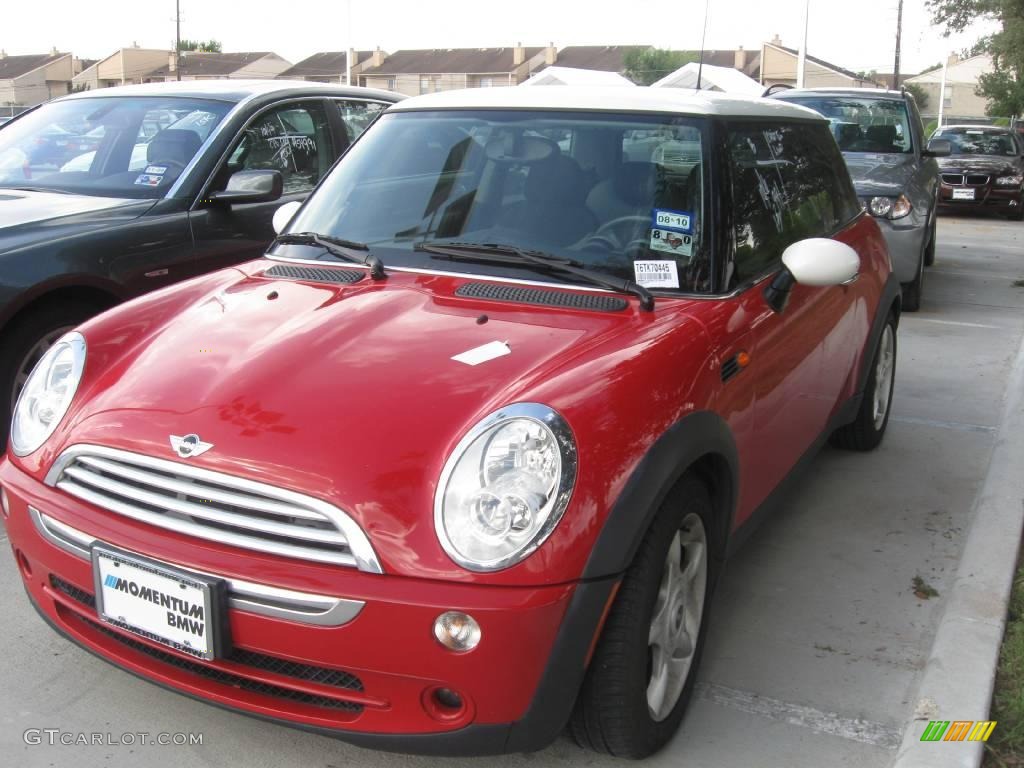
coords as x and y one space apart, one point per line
985 170
107 194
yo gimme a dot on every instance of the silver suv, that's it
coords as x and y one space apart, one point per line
893 170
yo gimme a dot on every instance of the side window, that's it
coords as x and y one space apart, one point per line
788 183
293 139
357 116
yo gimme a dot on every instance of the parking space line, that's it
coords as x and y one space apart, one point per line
959 322
852 729
957 425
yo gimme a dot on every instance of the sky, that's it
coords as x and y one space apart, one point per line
863 39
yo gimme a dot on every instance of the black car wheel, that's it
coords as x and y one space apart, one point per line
26 342
644 667
866 431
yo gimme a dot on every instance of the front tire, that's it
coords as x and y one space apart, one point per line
644 667
866 431
929 251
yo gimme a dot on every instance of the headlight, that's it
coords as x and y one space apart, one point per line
505 487
47 394
1009 181
890 207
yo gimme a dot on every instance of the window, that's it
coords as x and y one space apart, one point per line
425 83
129 147
357 115
620 193
861 124
979 141
391 84
293 139
788 183
486 82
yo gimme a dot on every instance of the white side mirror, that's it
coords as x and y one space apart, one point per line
821 262
284 214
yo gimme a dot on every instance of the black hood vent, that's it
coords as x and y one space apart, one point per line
315 274
542 298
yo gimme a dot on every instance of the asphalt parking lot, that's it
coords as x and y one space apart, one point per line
818 640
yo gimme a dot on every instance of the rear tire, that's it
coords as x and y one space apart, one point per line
866 431
27 340
635 692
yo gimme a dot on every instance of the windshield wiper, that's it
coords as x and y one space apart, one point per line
494 253
336 246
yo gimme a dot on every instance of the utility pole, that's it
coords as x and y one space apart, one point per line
177 40
899 34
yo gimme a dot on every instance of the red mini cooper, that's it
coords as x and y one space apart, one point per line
457 464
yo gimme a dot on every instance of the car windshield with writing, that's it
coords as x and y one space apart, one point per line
616 194
876 125
977 141
108 147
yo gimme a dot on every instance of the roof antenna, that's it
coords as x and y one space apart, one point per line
703 37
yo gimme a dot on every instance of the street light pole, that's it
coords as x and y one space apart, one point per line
942 90
801 59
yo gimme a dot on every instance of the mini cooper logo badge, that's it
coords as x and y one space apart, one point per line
189 446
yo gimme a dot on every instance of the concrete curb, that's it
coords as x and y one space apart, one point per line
960 672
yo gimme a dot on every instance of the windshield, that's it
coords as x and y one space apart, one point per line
111 147
613 192
966 141
864 125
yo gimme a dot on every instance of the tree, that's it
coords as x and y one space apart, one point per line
203 46
646 65
919 93
1004 87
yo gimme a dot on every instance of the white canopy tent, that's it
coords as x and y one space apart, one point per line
712 78
573 76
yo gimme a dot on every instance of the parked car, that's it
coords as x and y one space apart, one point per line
894 171
458 462
985 170
107 194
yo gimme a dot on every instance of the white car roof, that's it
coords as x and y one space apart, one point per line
609 99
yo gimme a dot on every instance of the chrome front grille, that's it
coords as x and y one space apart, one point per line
211 505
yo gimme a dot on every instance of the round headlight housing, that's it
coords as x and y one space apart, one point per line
505 486
47 394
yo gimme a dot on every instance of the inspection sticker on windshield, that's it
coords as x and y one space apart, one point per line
149 179
159 170
680 221
676 243
483 353
656 274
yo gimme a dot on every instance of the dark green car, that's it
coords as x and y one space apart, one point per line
108 194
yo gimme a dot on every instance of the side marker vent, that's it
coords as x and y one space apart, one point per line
315 274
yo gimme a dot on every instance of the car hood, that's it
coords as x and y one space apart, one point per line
344 392
990 164
879 174
29 214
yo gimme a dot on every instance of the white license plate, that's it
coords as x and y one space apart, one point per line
963 194
161 603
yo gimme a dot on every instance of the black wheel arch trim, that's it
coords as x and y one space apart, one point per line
696 436
888 303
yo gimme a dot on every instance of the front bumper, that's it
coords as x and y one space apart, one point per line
988 197
369 680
